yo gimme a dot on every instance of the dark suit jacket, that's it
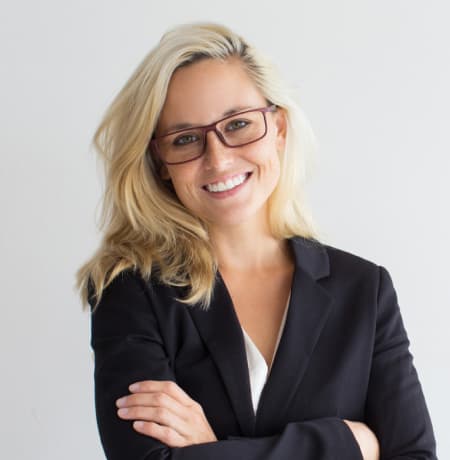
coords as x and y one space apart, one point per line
343 354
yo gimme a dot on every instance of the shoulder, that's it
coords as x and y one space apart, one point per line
122 285
341 257
326 259
359 274
353 278
130 293
125 309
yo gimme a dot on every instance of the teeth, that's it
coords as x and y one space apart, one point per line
228 185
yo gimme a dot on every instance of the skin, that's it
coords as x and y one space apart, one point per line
200 94
368 442
162 410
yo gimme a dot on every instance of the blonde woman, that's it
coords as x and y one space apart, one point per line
222 327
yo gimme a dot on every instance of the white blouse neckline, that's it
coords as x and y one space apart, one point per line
257 366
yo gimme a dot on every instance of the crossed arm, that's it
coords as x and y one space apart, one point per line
162 410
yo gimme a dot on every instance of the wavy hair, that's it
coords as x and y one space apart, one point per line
145 227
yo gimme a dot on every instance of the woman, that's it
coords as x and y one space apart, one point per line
222 328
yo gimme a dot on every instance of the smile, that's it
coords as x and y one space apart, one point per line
228 184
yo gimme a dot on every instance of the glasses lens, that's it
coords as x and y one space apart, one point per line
181 146
236 130
243 128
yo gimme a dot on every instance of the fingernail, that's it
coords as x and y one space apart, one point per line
122 411
120 402
138 424
134 387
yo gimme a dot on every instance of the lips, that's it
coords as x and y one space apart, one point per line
227 183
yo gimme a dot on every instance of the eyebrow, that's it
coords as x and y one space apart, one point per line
178 126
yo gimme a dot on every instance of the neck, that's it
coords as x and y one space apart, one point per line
249 247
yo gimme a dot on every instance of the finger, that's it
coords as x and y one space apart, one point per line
152 400
164 386
164 434
159 415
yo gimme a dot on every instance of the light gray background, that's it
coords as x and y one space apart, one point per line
373 78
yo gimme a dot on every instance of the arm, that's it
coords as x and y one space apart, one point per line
395 407
128 348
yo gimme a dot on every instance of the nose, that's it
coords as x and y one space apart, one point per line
217 155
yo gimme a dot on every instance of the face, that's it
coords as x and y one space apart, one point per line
200 94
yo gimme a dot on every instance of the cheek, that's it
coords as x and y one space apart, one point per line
267 151
275 170
268 159
272 168
180 188
183 182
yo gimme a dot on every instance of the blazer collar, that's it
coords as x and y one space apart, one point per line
310 256
308 310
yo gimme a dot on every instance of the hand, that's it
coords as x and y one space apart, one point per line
368 442
164 411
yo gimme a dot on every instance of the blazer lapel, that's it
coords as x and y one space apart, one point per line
308 311
222 334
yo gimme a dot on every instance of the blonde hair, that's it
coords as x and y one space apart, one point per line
145 226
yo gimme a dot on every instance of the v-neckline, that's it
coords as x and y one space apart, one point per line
258 370
257 351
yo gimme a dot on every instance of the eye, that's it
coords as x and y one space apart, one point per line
185 139
238 123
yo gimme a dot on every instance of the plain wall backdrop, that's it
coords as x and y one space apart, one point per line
372 77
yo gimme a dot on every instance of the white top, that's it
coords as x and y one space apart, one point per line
257 365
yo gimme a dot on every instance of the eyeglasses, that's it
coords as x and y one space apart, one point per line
235 130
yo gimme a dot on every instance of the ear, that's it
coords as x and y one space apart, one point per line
281 126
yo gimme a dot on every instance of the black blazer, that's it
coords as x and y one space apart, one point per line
343 354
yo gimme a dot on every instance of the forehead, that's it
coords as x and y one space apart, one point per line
201 92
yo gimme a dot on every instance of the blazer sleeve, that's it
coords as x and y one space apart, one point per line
395 408
128 347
